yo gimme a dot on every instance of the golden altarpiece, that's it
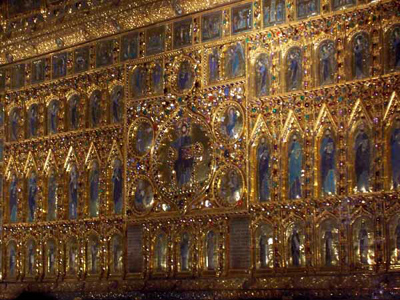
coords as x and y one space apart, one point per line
200 149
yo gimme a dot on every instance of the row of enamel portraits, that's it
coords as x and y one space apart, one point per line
148 79
106 52
329 254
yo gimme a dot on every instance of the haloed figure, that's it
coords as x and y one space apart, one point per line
117 181
295 247
362 161
363 244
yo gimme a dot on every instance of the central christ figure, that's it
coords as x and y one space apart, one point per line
183 165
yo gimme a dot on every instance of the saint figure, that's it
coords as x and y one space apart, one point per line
14 124
328 247
117 180
95 109
116 105
51 258
51 196
73 112
32 191
363 244
117 255
160 252
143 195
184 247
360 53
156 77
262 88
183 165
328 177
31 258
362 161
12 259
264 251
94 190
395 157
213 65
144 138
295 247
263 160
210 250
93 256
53 117
73 193
295 168
33 119
294 69
13 194
230 122
236 61
327 67
72 254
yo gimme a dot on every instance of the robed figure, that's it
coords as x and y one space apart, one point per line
13 198
33 120
213 66
12 260
94 184
95 108
327 63
116 105
31 258
160 252
295 247
156 78
362 161
53 117
210 250
231 121
117 184
94 251
328 247
263 160
51 258
73 112
117 254
184 163
293 65
235 64
73 193
363 244
295 168
360 57
14 125
51 196
184 249
328 177
262 88
395 157
32 191
264 251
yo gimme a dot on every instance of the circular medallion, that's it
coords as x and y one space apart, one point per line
228 122
142 196
184 75
182 157
228 186
142 136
